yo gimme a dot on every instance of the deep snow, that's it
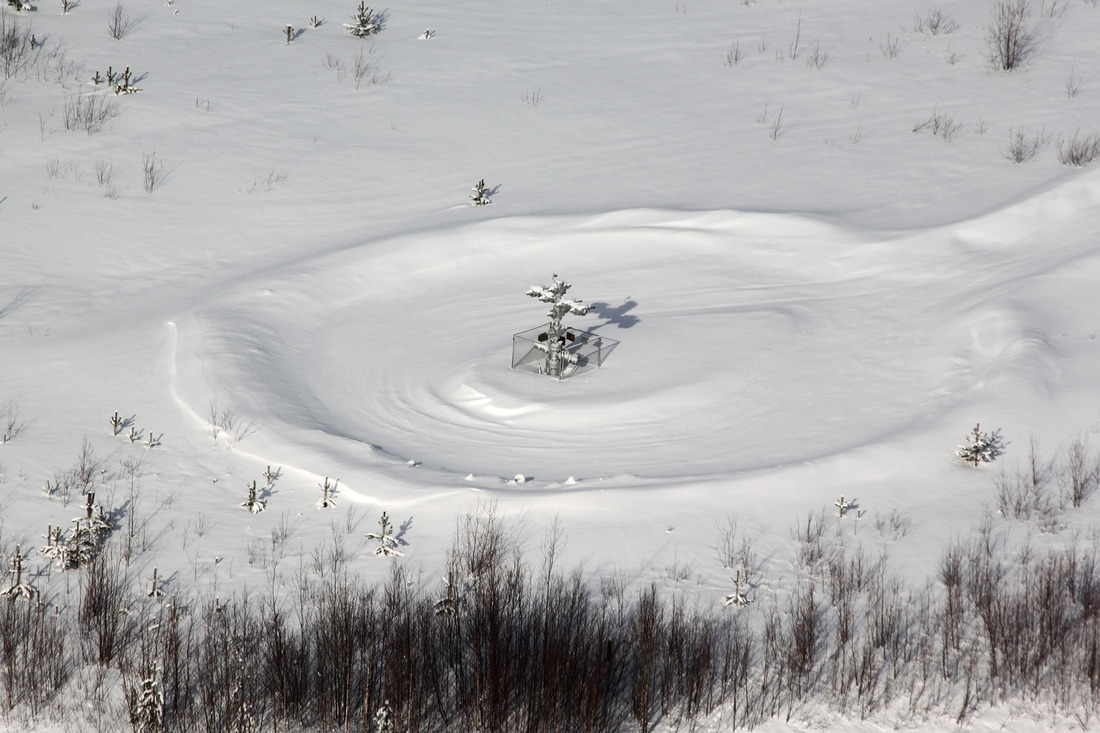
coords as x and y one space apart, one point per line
812 299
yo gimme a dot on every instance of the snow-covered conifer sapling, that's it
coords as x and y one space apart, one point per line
843 505
254 503
480 196
387 540
147 703
364 22
980 447
18 588
327 499
737 598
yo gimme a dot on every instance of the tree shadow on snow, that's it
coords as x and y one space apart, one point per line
615 315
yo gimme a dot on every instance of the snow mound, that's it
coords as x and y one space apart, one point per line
734 328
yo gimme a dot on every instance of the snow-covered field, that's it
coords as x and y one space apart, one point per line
800 221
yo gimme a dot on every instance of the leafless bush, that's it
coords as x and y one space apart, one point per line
10 422
794 49
20 51
941 124
334 63
804 634
1022 148
89 112
935 23
368 72
894 525
1012 39
1079 151
734 55
266 183
777 127
734 550
34 664
119 24
103 624
817 58
811 549
105 177
1073 83
153 172
224 420
1021 497
542 652
1053 9
1080 472
891 47
532 97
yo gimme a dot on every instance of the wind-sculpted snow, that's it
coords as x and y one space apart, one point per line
747 342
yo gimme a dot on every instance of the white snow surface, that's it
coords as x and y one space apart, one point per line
811 299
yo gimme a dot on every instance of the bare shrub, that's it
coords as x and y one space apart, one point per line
1080 472
119 24
818 57
1012 39
894 525
811 549
89 112
1073 83
777 128
532 97
103 595
223 419
934 23
1079 151
1021 497
368 72
940 124
266 183
891 47
734 55
105 177
11 424
20 51
1022 148
153 172
734 550
804 635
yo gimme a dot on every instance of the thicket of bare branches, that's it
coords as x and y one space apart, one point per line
501 647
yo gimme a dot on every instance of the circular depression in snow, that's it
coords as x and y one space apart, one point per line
746 342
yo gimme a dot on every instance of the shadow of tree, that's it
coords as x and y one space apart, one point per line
615 315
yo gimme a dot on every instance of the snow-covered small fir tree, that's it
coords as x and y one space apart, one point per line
327 500
365 22
19 589
480 196
55 548
384 719
737 598
387 540
254 503
843 505
84 541
980 447
147 703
